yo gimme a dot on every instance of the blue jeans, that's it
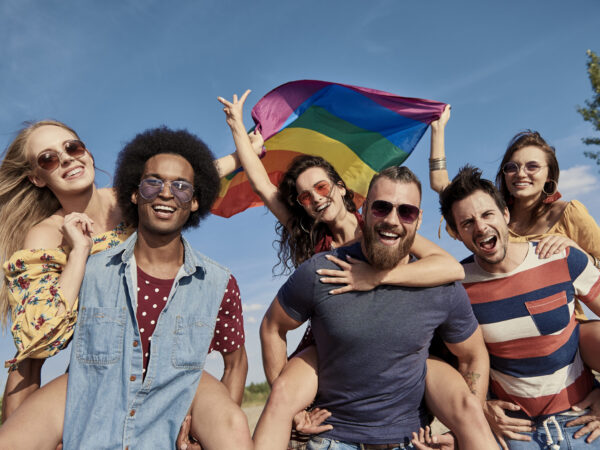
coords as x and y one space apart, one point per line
318 443
539 437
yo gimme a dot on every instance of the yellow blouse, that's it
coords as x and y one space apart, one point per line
577 224
35 295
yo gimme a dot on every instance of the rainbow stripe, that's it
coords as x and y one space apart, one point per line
360 131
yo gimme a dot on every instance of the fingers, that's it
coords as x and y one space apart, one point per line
341 290
245 96
517 436
592 427
225 102
182 438
508 405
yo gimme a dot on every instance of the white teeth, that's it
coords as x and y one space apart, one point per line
163 208
322 207
387 234
73 172
488 239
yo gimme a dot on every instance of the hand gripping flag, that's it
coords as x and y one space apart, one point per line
360 131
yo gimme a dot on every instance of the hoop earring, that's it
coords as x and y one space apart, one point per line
551 196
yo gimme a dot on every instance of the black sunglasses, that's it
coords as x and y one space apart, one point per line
407 213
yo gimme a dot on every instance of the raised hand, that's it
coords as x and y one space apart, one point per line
234 110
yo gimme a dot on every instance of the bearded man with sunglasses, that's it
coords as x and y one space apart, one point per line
372 346
150 311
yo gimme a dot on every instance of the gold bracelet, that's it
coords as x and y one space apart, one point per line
437 164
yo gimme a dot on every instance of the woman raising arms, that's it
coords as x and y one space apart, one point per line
315 213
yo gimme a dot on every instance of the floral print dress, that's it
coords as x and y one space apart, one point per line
38 330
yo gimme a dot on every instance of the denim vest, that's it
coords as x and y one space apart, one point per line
109 404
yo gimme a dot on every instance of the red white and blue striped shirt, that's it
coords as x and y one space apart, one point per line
530 329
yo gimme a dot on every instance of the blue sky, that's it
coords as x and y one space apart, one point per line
111 69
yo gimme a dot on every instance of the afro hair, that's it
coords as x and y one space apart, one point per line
132 159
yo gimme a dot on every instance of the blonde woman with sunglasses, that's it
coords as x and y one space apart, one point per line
52 217
315 213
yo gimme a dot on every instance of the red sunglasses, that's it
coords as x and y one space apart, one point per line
323 188
407 213
49 160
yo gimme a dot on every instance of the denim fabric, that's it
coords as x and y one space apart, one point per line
539 437
109 403
318 443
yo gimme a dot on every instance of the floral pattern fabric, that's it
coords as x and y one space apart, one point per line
38 330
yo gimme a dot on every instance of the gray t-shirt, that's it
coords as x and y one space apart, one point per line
372 348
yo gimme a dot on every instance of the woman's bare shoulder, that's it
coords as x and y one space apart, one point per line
45 234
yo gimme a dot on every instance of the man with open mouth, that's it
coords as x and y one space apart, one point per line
372 345
525 306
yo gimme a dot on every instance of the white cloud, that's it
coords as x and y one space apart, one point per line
249 319
576 181
253 307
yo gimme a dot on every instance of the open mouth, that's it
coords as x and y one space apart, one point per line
388 237
73 173
322 207
163 211
488 244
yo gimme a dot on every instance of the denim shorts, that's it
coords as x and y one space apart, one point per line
553 432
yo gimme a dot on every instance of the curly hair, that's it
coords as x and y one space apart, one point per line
297 238
132 159
521 140
466 182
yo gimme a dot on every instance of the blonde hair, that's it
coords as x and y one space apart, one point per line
22 204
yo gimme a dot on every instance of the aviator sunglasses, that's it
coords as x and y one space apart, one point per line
512 168
407 213
149 189
323 188
49 160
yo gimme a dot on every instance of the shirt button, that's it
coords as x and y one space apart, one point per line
132 412
132 378
136 343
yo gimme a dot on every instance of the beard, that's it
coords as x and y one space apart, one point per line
385 257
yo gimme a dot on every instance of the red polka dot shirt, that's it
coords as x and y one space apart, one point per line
153 294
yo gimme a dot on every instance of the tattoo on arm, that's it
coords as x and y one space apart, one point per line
471 379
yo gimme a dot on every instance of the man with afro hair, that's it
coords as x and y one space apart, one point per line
152 308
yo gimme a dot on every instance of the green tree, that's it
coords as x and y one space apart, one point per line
591 113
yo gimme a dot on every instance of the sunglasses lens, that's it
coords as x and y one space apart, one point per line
532 167
150 188
48 160
323 188
510 168
182 190
75 148
381 208
408 213
304 198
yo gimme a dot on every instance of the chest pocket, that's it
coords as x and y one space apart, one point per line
550 314
192 340
100 336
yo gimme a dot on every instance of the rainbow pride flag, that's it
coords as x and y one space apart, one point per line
360 131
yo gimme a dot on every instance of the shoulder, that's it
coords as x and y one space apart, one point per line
576 213
45 234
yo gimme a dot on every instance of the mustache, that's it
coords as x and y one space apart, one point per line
390 229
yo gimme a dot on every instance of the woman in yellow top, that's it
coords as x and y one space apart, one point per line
528 180
51 208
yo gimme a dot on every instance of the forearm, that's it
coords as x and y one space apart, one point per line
438 179
475 369
234 374
227 164
274 353
435 266
20 384
71 277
